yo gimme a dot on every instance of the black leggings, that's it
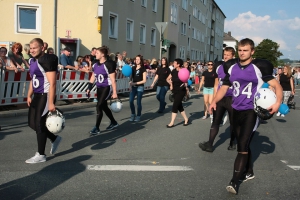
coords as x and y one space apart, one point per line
103 94
177 103
37 115
223 105
245 124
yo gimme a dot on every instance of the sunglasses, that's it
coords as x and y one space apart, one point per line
209 64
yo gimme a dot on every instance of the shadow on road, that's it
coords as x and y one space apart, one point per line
261 145
35 185
4 133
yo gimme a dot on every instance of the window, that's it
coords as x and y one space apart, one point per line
113 25
153 36
142 34
203 19
28 18
198 35
199 15
182 52
189 21
189 44
184 4
194 33
144 3
205 2
173 13
154 5
129 30
183 28
195 12
191 2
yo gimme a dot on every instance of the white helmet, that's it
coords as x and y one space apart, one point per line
55 121
264 98
116 105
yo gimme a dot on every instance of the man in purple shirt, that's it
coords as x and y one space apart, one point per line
222 106
246 75
104 73
43 69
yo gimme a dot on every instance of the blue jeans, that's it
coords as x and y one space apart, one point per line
136 91
161 92
297 81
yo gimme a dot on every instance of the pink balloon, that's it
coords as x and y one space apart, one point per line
184 75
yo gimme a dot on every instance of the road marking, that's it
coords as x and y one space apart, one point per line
138 168
284 161
294 167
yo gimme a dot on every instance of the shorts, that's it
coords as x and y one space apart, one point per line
208 90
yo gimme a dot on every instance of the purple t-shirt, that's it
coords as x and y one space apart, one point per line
246 81
221 76
102 71
38 69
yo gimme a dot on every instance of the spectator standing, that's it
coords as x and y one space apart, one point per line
50 50
16 56
93 54
65 60
27 55
45 46
171 67
124 54
5 62
120 62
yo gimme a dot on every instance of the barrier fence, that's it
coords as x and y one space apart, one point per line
69 85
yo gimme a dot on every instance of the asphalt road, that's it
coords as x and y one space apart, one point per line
174 166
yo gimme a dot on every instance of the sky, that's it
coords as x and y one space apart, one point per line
278 20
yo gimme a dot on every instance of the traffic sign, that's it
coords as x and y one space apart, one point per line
161 26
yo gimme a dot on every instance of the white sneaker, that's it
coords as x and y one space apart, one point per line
132 118
278 114
37 158
282 115
55 144
137 118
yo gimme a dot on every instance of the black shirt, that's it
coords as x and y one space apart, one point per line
137 75
178 85
209 80
163 73
285 82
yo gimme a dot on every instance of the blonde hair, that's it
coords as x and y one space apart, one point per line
153 61
289 71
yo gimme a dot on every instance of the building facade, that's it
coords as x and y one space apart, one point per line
195 29
229 41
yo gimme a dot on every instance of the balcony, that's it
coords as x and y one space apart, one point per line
213 17
212 33
211 48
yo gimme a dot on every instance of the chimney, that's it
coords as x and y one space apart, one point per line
229 33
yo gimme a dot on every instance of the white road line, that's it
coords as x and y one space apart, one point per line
294 167
138 168
284 161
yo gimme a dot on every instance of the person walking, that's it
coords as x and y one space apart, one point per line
287 84
104 73
138 79
179 90
163 86
43 69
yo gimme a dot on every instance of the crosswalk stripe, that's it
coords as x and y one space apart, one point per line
137 168
294 167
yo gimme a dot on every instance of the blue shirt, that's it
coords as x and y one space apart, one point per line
65 60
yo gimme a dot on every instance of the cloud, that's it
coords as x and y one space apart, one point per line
298 47
283 31
282 13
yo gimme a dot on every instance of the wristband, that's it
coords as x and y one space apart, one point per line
90 86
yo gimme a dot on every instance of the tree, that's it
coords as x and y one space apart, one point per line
268 50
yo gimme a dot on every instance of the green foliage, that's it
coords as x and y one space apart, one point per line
268 50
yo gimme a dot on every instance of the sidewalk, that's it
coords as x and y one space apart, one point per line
22 110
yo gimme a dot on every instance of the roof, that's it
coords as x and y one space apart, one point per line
219 8
228 37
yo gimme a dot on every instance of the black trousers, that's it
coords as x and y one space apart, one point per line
177 103
37 115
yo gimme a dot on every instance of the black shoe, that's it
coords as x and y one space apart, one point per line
231 147
247 176
186 124
170 126
206 147
232 188
159 111
112 126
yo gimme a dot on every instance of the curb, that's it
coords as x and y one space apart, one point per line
64 108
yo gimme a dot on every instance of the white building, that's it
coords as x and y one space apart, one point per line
229 41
